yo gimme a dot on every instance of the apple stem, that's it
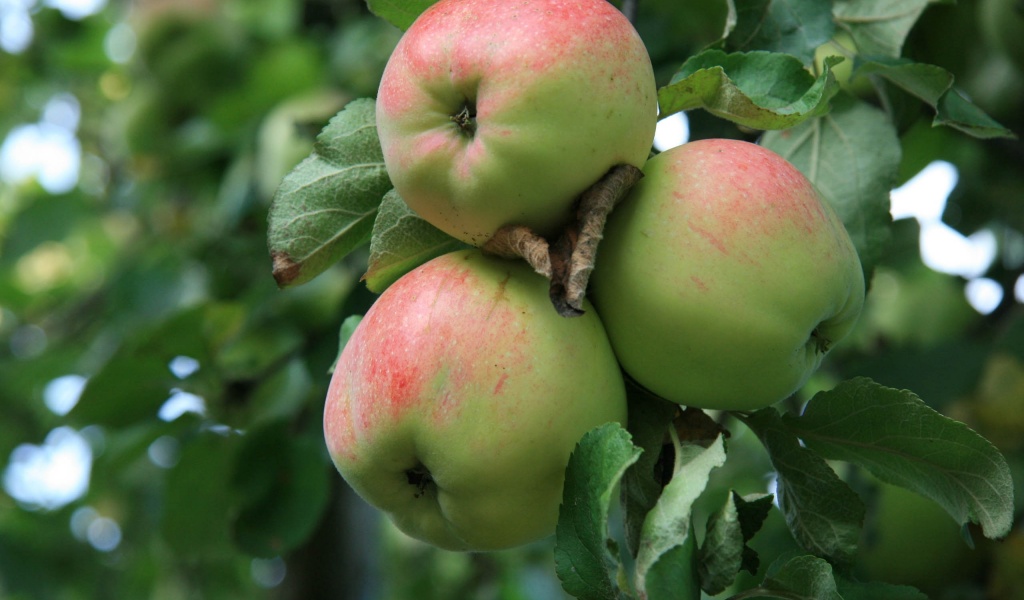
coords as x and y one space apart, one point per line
568 262
519 241
574 253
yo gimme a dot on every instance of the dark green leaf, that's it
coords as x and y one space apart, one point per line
283 394
794 27
137 379
878 27
649 419
129 388
876 590
934 85
803 577
958 112
283 482
823 513
583 562
852 155
401 242
198 501
761 90
903 441
325 207
724 551
674 576
258 350
400 13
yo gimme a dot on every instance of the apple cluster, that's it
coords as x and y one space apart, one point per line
722 280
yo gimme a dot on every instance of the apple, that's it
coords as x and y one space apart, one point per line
459 397
493 113
910 540
723 278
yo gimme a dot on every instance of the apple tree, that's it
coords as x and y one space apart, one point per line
240 233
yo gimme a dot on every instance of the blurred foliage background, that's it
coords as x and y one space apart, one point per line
161 399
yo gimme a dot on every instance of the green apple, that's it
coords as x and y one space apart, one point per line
493 112
842 44
457 400
910 540
723 278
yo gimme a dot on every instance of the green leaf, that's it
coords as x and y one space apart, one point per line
902 441
794 27
326 206
934 85
400 13
761 90
282 395
958 112
823 513
127 389
401 242
586 567
852 156
724 551
649 419
876 590
804 577
878 27
283 481
198 500
674 576
667 526
348 327
136 380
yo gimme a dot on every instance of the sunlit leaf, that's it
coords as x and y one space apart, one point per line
761 90
667 526
326 206
583 561
401 242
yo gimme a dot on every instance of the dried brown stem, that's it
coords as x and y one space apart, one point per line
568 262
573 255
518 241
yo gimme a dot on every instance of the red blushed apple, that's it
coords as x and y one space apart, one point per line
456 402
723 278
498 112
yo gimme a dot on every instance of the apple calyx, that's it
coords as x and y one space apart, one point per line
420 478
568 262
822 344
465 119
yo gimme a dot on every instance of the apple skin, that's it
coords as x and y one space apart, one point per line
463 370
561 92
910 540
723 278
